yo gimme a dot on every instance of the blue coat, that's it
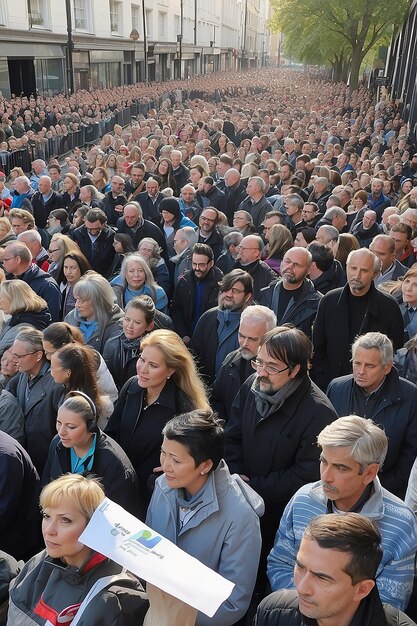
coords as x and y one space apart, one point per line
397 414
223 534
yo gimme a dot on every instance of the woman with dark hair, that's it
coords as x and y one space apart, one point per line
122 352
80 446
304 237
123 245
171 220
205 511
60 334
164 171
74 266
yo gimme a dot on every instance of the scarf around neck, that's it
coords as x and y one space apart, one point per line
269 403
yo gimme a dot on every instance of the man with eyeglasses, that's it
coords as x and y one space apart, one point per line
208 233
255 321
249 259
274 422
310 214
215 334
293 297
95 240
196 291
37 394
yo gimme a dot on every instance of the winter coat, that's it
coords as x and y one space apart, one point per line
99 338
104 255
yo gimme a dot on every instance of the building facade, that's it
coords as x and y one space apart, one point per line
59 45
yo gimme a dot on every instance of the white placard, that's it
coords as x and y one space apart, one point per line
114 532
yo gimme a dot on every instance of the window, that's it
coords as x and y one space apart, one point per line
115 16
3 20
149 19
82 19
135 17
38 14
162 25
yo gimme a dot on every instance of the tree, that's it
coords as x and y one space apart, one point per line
344 29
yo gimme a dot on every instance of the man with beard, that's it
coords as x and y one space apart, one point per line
255 321
216 332
293 297
274 422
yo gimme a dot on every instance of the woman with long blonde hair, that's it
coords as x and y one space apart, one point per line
167 383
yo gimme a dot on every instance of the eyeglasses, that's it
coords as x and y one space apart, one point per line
242 248
9 258
235 291
269 369
17 357
52 251
207 219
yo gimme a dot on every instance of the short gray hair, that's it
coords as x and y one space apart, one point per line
189 234
32 337
366 252
260 182
30 235
375 341
367 441
260 313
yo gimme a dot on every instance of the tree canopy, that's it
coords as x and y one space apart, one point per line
334 32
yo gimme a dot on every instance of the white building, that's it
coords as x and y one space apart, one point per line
109 41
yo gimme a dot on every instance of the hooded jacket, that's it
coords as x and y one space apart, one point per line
223 534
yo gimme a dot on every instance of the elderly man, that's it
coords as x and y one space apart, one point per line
353 450
133 224
293 297
335 217
256 204
17 261
376 199
44 201
38 169
294 205
367 229
23 192
188 204
349 311
227 260
328 236
33 240
255 321
383 246
375 390
334 578
179 171
235 192
269 442
248 258
215 334
150 200
321 192
114 200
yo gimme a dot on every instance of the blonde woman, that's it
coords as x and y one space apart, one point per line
167 383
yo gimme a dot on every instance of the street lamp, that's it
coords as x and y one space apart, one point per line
145 41
69 49
134 36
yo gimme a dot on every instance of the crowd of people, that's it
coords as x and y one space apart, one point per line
213 311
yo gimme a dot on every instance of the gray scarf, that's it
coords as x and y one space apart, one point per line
266 403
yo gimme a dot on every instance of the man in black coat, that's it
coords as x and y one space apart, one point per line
196 291
235 192
256 204
325 271
133 224
150 200
208 195
180 173
249 259
255 321
208 233
349 311
44 201
375 391
95 240
270 441
114 200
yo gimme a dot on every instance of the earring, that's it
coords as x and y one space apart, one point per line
168 377
202 473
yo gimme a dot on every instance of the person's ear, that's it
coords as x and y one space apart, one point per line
363 589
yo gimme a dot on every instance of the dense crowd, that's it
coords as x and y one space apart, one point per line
213 311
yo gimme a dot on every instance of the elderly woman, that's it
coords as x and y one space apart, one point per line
150 250
166 384
135 279
91 197
23 307
55 583
243 222
207 512
95 313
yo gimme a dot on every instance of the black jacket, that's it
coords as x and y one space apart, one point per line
184 299
147 229
231 376
138 429
278 453
281 609
300 311
216 198
396 412
103 258
330 279
331 331
262 276
45 286
234 197
215 241
41 209
19 492
257 210
180 176
150 209
119 367
40 412
110 464
109 203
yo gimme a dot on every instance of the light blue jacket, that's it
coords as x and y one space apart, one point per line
395 521
223 534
